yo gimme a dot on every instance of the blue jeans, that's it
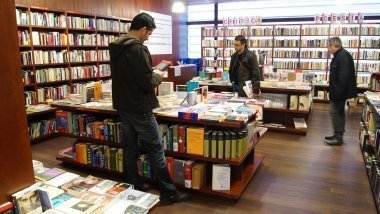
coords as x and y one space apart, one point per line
143 128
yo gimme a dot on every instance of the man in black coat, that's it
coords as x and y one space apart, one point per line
133 84
342 86
244 67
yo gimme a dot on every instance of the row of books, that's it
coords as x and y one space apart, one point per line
49 57
84 72
322 95
311 30
83 56
313 65
264 31
54 93
101 156
321 77
65 192
26 57
124 26
107 25
27 77
370 31
314 43
369 66
300 102
104 70
370 43
47 19
212 32
286 43
105 40
22 17
210 53
82 39
286 53
52 74
373 170
374 84
285 64
30 98
236 31
210 143
81 23
287 31
261 42
213 63
49 38
363 80
212 43
370 54
350 43
85 125
41 128
103 55
226 52
23 37
345 31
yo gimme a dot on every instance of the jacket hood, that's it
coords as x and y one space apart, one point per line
117 47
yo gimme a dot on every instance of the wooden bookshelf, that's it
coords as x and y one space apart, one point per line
288 130
39 113
43 138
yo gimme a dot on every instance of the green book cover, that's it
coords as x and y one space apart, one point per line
214 144
245 141
233 144
220 144
206 145
239 146
227 144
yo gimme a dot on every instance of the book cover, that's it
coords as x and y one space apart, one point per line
49 174
195 140
60 199
29 202
102 187
221 177
150 201
198 175
220 145
304 103
234 140
117 189
227 144
84 207
132 196
207 143
170 162
166 88
188 173
179 171
293 105
135 209
214 144
62 179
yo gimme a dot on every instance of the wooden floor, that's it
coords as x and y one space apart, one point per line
299 175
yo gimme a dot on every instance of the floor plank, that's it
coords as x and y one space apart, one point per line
300 174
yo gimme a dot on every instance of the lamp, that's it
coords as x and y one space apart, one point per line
178 7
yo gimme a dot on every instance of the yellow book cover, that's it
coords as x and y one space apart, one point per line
239 146
233 144
227 145
220 145
197 173
195 140
97 90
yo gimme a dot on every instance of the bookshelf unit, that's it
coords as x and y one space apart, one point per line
285 115
61 48
242 168
302 46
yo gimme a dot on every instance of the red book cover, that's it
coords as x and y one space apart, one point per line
170 160
181 139
188 177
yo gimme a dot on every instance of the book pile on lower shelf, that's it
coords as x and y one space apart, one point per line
41 128
57 191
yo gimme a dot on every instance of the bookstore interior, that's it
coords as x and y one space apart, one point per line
237 96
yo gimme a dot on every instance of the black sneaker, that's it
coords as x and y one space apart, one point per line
176 197
335 141
329 137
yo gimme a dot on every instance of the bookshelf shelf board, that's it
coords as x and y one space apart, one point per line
71 161
52 64
25 46
39 113
52 83
81 30
107 32
29 85
49 46
37 27
321 100
285 47
45 9
210 47
315 35
103 46
43 138
105 77
369 59
26 66
82 63
104 61
84 109
81 46
321 85
286 110
84 79
264 89
93 140
198 122
285 58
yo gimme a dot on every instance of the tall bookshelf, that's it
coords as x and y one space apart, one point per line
60 50
63 48
302 46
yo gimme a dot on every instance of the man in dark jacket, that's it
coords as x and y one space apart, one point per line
133 84
244 67
342 86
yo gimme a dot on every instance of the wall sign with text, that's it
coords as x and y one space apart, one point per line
339 18
247 20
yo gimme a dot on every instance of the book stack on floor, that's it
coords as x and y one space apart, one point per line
58 191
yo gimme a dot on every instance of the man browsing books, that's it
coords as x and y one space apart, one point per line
244 67
342 86
133 84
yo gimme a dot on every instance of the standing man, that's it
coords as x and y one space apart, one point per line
133 84
342 86
243 67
